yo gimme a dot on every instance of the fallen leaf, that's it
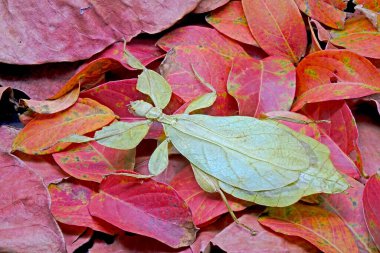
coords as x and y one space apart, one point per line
92 161
90 27
369 4
134 244
30 78
180 67
209 5
366 44
262 86
236 239
116 95
277 26
230 20
204 206
337 67
355 24
69 205
324 12
146 204
371 207
7 134
44 166
75 236
52 106
349 207
369 129
25 219
323 229
203 37
42 134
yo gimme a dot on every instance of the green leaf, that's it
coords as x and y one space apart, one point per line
155 86
75 138
241 151
320 176
123 135
131 59
206 182
202 101
159 160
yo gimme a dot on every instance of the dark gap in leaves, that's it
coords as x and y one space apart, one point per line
109 239
350 6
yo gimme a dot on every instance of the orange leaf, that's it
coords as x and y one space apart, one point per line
40 135
277 26
323 229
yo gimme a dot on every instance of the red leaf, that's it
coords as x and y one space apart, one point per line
230 20
25 219
135 243
42 134
262 86
236 239
364 43
75 236
92 161
204 206
334 75
335 66
144 207
277 26
116 95
209 5
69 205
38 81
201 36
371 200
7 134
323 229
178 69
323 11
349 207
44 166
92 27
369 131
340 125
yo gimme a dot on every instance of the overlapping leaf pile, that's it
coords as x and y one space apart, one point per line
161 138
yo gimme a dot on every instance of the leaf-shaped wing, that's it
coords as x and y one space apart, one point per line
321 176
241 151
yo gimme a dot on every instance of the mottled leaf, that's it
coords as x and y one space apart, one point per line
369 4
323 11
349 207
363 43
92 161
323 229
145 207
235 239
277 26
53 106
178 68
42 134
262 86
201 36
335 67
69 205
25 219
371 198
230 20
